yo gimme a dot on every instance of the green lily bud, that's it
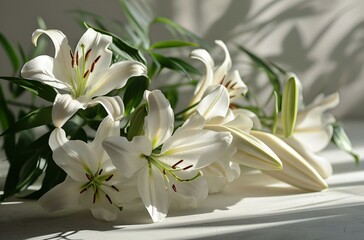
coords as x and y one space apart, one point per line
289 106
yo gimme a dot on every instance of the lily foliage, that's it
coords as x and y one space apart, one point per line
105 136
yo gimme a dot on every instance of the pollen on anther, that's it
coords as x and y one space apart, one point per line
83 190
86 73
77 58
232 86
108 198
88 176
115 188
174 188
176 164
97 59
95 194
72 59
87 54
188 167
92 67
107 179
100 171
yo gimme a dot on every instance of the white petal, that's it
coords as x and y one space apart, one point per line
75 157
64 107
107 128
159 122
114 106
98 44
64 195
189 193
114 77
220 173
315 138
128 156
154 192
249 114
320 164
105 214
57 138
47 70
215 104
312 115
221 72
197 148
204 83
60 42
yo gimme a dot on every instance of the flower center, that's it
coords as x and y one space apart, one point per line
95 181
171 170
82 68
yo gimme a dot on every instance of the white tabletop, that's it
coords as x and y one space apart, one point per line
253 207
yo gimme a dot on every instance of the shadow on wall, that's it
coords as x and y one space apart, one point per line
322 42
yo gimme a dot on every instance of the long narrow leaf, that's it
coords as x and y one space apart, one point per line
10 51
39 117
341 140
173 44
42 90
272 76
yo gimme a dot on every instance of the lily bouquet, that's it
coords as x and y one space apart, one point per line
109 137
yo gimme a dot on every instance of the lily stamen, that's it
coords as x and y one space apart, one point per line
188 167
108 198
108 179
87 54
115 188
177 163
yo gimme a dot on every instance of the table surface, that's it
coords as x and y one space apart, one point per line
253 207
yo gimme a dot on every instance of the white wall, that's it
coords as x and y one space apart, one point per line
321 41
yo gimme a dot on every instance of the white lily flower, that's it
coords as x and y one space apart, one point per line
216 76
92 181
167 166
81 76
296 170
250 151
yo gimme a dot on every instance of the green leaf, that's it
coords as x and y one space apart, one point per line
19 156
289 106
53 176
341 140
137 122
134 91
173 44
174 64
172 95
272 76
10 51
40 89
39 117
139 17
134 53
176 29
